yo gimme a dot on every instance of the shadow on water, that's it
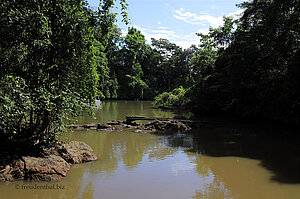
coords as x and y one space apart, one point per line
278 152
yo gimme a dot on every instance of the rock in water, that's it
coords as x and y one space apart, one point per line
77 152
45 168
12 172
103 126
54 165
166 127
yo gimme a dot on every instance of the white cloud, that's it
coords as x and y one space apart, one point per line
187 40
190 36
184 44
193 18
183 41
157 34
162 27
204 20
203 31
164 31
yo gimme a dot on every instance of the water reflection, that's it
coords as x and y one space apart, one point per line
212 162
118 152
118 110
277 153
133 165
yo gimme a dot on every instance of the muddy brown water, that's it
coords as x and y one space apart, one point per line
222 161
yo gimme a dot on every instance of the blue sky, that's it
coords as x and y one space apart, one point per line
176 20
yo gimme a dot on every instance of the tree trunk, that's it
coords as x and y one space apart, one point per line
46 122
31 121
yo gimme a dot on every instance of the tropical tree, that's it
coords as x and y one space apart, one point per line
48 66
132 84
260 62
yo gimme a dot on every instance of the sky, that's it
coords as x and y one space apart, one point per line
176 20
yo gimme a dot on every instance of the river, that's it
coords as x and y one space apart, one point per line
215 161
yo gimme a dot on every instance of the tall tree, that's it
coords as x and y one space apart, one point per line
173 66
261 58
134 48
48 66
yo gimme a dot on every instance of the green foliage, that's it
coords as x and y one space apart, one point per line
114 62
259 60
141 71
172 65
58 57
174 99
51 65
248 66
130 72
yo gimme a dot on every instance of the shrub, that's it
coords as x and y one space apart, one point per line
174 99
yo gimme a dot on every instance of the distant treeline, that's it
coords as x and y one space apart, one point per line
249 66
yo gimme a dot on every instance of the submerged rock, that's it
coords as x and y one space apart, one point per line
156 126
114 125
53 166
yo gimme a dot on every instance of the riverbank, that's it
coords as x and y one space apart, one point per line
52 165
221 116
